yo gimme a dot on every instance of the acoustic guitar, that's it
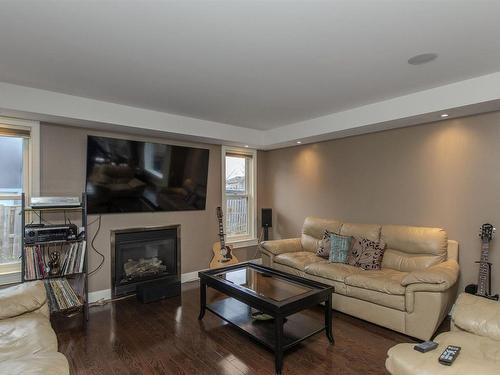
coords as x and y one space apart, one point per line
483 287
223 254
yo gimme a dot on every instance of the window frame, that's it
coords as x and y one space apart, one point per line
251 180
11 272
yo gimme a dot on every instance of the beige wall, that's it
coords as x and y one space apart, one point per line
63 160
445 174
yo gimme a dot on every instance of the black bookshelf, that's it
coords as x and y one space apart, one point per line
77 280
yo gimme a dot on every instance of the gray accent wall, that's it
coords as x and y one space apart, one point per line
444 174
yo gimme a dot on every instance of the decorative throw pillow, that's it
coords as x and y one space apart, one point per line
324 246
340 246
366 254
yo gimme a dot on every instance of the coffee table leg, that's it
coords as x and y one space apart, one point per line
278 350
203 299
328 319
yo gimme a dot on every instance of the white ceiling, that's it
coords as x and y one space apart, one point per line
254 64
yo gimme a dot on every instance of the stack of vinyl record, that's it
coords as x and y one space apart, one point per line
61 295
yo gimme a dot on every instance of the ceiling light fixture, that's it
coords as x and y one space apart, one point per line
444 115
423 58
299 142
246 146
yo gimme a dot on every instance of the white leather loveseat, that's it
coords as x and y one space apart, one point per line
411 294
28 345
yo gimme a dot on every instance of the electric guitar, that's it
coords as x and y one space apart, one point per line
483 287
223 254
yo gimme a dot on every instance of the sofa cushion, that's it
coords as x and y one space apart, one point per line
299 260
393 301
370 231
479 355
332 271
413 248
26 335
385 281
22 298
38 364
313 230
477 315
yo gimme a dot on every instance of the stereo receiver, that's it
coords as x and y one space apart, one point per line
34 233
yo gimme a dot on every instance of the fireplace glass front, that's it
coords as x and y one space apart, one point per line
142 256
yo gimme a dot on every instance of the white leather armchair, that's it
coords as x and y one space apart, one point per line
475 327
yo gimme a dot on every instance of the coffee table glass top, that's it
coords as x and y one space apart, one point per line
263 283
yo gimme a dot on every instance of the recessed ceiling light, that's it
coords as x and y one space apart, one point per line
423 58
299 142
246 146
444 115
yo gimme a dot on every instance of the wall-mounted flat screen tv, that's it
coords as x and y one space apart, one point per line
132 176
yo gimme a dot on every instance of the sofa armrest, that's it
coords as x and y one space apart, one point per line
277 247
477 315
442 276
22 298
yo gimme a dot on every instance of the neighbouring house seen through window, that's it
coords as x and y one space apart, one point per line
239 195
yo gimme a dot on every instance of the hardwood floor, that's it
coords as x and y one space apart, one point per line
127 337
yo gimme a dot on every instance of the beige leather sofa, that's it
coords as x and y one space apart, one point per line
475 328
28 345
411 294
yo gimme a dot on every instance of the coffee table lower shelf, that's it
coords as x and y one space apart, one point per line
296 328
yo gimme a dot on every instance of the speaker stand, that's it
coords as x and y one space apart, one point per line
266 233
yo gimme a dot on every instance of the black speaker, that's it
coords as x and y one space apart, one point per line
267 221
157 290
267 217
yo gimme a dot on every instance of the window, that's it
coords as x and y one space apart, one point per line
16 176
154 155
238 196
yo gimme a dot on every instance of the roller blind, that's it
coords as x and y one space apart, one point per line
6 131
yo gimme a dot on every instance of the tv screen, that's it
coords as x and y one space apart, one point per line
132 176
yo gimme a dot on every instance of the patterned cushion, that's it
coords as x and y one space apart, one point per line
340 246
324 246
366 254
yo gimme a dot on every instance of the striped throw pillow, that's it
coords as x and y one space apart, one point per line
339 248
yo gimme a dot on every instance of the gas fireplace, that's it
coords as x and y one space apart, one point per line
144 258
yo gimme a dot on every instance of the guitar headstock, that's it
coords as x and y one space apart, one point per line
219 213
487 232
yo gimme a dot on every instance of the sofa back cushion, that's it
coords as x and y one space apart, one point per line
313 230
413 248
369 231
477 315
22 298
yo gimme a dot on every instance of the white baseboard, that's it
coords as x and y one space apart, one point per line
187 277
104 294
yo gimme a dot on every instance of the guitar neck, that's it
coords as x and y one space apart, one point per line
484 270
221 234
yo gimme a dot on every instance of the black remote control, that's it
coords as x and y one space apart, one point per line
449 355
426 346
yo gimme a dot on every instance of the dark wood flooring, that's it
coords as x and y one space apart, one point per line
127 337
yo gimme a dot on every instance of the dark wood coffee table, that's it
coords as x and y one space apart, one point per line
252 288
